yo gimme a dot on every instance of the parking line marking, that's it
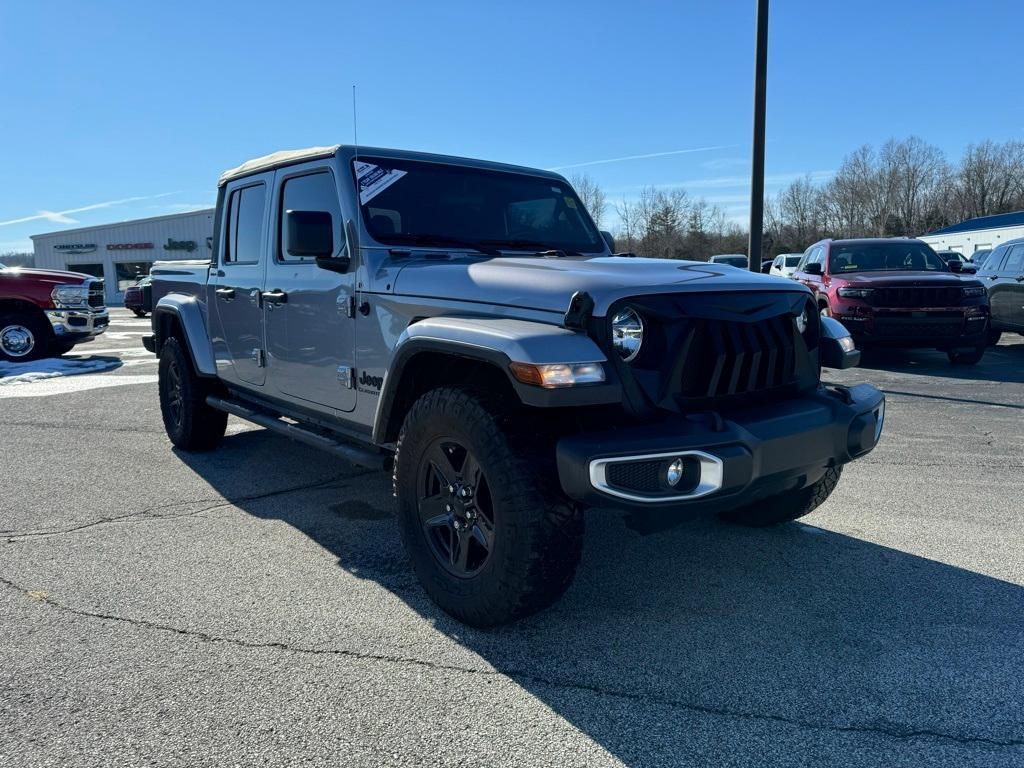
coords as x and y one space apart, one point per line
65 384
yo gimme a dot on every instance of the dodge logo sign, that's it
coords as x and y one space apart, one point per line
129 246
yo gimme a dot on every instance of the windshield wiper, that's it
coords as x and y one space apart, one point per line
530 244
444 240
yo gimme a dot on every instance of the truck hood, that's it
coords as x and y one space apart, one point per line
54 276
549 283
902 279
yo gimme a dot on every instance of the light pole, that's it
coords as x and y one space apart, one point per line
757 162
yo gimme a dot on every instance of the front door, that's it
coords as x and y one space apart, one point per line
236 280
1006 294
309 313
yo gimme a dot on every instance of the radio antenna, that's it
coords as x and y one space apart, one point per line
355 125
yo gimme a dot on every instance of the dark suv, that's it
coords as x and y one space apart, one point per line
898 292
1003 275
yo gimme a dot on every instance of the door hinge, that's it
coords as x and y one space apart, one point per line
346 376
347 304
258 357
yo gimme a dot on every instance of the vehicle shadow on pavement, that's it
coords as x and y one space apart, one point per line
711 644
1002 363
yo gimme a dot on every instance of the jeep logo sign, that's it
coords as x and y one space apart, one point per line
373 382
180 245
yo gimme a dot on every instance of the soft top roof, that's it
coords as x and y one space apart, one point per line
294 156
276 159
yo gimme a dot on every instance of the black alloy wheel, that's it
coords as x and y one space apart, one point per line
456 511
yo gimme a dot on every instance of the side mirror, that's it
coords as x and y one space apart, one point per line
609 240
814 268
311 233
969 269
837 347
955 265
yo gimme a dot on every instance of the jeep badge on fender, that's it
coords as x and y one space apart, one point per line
531 373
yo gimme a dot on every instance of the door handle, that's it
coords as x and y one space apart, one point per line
276 296
226 293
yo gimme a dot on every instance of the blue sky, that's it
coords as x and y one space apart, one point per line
114 110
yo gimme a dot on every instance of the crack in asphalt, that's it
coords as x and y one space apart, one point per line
517 676
148 512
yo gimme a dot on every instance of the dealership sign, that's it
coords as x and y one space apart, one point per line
129 246
75 247
180 245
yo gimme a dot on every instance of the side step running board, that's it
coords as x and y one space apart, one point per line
364 457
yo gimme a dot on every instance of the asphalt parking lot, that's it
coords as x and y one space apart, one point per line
252 606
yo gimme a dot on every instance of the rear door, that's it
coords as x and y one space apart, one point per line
309 311
237 280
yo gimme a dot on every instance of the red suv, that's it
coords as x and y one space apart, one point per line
898 292
45 312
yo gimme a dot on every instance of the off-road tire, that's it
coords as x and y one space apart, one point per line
538 533
993 337
38 327
786 506
966 357
191 424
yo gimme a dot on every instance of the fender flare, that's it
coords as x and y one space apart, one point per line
193 325
499 342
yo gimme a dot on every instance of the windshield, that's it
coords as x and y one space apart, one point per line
906 256
420 203
792 261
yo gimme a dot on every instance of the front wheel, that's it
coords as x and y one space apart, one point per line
23 337
786 506
966 357
191 424
488 534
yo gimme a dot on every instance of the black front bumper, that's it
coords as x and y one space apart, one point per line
748 454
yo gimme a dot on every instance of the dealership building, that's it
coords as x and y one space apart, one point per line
984 232
122 253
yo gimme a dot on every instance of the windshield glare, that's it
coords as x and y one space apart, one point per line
884 257
421 203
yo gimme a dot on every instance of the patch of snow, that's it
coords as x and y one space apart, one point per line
63 385
13 374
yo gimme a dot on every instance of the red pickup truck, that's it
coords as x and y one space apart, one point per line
44 313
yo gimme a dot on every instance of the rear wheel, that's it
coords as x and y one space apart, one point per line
489 535
786 506
191 424
965 356
23 337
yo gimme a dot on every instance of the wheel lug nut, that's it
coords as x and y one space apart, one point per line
447 507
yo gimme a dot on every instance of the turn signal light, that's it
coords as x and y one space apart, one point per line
558 374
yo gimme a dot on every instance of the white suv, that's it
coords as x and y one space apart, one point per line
784 264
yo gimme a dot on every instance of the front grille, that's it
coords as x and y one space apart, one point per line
644 476
916 296
723 358
96 293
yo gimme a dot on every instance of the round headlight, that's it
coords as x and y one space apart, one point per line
627 333
801 321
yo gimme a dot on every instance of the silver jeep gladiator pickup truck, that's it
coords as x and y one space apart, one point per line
466 325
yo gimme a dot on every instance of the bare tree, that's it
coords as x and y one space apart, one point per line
591 194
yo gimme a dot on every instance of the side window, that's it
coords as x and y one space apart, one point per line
312 192
246 208
1014 264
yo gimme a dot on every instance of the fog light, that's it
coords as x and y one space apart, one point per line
674 473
